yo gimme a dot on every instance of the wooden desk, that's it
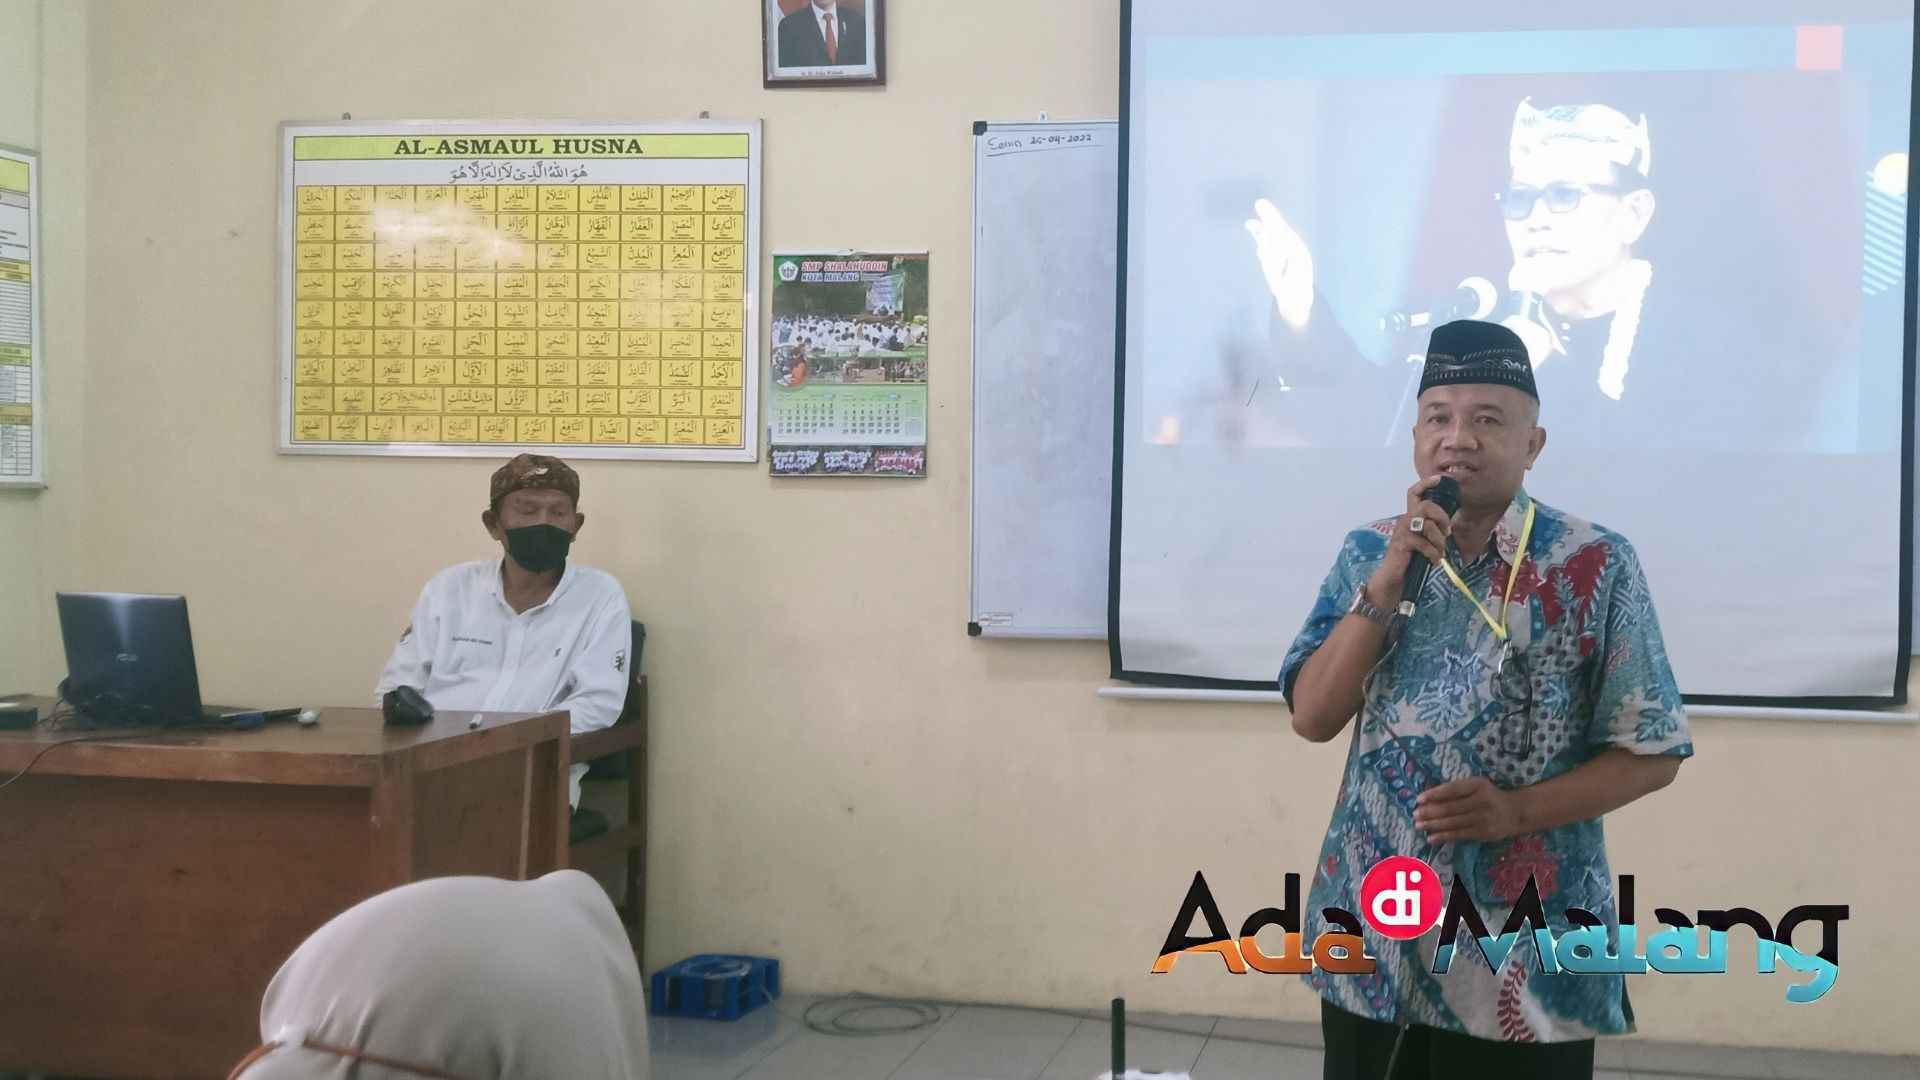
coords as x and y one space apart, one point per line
150 886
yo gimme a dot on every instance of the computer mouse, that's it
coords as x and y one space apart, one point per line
308 717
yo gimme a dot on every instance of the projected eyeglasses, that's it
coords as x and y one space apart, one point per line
1516 202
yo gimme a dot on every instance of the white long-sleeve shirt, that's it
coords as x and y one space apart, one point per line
466 649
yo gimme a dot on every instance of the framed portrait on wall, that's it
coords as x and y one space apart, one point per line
823 42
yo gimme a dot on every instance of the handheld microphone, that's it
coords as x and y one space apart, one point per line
1445 495
1473 298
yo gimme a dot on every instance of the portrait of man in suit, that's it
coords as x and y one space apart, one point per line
823 33
833 41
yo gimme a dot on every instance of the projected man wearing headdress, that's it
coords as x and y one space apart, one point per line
1667 360
1577 203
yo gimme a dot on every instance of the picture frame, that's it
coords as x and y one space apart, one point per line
823 43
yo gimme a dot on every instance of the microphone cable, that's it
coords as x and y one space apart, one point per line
1393 1057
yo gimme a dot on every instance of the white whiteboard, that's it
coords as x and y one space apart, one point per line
1044 214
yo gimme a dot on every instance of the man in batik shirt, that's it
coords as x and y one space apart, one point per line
1528 695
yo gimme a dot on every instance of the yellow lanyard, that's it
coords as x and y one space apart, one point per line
1499 628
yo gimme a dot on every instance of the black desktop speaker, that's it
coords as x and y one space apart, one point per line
15 716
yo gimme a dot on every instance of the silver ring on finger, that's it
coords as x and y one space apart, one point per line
1417 525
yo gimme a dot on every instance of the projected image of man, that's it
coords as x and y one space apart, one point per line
1577 203
1630 355
1528 695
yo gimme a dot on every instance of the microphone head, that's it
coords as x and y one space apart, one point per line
1445 495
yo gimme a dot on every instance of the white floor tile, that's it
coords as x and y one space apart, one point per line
1692 1059
987 1043
813 1056
1819 1065
1089 1050
990 1044
1283 1032
1230 1059
681 1037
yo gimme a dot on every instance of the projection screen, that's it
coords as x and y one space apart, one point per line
1726 382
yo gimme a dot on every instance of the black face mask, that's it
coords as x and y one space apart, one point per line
539 548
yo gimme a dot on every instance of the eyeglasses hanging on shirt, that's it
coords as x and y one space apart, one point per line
1516 726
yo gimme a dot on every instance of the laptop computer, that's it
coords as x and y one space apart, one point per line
130 663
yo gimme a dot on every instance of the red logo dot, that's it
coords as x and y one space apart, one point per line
1400 897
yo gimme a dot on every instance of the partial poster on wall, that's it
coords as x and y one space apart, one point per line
849 361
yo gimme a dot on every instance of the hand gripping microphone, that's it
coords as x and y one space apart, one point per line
1445 495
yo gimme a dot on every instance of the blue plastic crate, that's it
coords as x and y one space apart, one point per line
715 986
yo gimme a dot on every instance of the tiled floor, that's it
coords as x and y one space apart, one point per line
979 1042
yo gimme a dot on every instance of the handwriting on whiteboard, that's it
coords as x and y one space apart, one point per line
1029 142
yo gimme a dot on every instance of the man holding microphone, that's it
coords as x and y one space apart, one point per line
1527 695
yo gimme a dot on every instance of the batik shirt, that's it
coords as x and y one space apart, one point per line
1599 677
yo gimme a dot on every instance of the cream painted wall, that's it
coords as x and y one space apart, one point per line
22 532
43 106
841 777
20 72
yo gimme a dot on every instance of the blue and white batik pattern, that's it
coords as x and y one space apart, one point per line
1600 679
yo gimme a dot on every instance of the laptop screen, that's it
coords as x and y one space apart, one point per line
129 658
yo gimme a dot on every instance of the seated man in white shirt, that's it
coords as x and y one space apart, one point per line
527 632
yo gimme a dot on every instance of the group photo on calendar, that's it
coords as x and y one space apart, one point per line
848 364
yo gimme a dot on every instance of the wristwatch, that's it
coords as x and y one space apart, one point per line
1365 609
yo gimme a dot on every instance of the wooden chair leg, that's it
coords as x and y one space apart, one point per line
630 911
636 912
